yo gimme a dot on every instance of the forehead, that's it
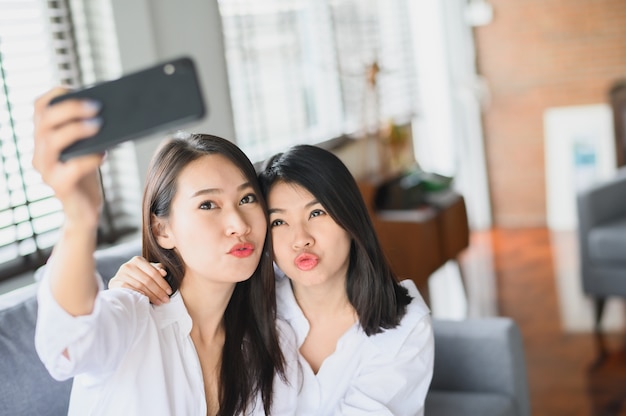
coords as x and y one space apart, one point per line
281 192
210 171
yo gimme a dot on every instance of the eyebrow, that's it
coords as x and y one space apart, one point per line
280 210
212 191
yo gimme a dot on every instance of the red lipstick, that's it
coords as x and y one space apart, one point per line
241 250
306 261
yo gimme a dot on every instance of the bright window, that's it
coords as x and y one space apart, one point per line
38 50
298 69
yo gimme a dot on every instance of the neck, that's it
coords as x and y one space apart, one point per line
206 303
319 302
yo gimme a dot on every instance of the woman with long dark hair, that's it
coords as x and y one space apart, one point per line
215 347
365 339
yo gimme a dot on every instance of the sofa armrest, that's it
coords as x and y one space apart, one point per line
26 387
602 202
484 355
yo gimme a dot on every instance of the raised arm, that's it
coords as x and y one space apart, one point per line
76 185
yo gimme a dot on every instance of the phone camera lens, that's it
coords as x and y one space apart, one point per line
169 69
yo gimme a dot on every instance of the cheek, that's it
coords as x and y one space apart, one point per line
280 246
258 223
189 226
340 242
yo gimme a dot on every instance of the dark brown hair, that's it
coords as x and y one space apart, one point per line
371 285
251 355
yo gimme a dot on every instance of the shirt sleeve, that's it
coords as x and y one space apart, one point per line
394 384
285 395
94 343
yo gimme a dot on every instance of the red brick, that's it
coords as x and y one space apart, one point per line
538 54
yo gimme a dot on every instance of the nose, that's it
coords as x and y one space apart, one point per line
236 223
302 238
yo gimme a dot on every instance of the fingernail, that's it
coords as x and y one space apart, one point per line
92 105
165 299
94 122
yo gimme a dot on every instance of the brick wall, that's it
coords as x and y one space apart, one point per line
537 54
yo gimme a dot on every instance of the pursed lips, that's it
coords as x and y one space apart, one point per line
306 261
242 250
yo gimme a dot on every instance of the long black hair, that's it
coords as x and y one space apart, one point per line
371 285
251 355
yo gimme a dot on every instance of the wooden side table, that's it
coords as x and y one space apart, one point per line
419 241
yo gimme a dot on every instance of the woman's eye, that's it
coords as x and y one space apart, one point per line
316 213
248 199
208 205
276 223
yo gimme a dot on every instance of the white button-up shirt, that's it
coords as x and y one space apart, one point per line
129 357
383 374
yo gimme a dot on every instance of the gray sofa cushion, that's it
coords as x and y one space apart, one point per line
468 403
109 260
30 389
607 242
479 364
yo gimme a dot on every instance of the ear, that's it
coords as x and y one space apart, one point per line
160 230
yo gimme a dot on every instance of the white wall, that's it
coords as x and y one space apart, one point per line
448 130
151 31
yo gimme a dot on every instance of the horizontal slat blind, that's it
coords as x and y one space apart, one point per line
36 53
98 52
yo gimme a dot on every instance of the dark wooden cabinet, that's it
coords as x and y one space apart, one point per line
418 241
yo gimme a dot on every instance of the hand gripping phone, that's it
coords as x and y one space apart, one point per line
161 97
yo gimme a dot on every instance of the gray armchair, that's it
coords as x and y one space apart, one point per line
480 369
602 240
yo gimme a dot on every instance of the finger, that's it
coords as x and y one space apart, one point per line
50 116
129 276
54 139
65 177
50 143
43 100
162 282
129 283
145 275
153 280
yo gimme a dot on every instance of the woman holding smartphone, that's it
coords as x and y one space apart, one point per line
215 348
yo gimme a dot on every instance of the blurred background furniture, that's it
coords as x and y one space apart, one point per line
601 211
420 240
480 369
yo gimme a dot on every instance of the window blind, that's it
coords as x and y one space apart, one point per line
38 51
298 69
98 55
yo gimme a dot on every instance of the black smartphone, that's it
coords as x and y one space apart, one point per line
161 97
